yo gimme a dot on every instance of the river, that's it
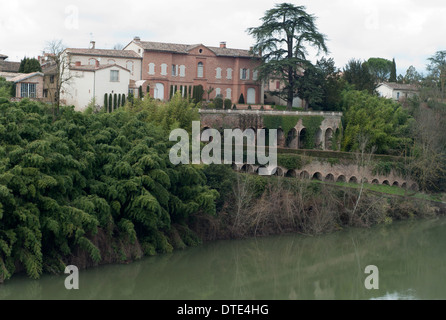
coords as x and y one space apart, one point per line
410 257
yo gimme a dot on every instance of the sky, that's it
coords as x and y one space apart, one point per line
408 30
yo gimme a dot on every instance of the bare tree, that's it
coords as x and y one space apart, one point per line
118 46
59 58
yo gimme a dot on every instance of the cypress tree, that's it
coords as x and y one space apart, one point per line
392 77
140 92
105 102
115 101
123 100
110 103
119 101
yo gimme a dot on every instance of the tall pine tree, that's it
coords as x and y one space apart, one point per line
392 77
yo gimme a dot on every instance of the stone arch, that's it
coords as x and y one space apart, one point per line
291 173
404 185
248 168
386 182
257 170
375 181
395 184
304 175
328 138
234 166
329 177
318 143
292 139
353 179
317 176
278 172
341 178
302 138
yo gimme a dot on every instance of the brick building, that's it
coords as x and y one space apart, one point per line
230 72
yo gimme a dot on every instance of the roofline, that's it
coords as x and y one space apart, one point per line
100 55
79 68
28 76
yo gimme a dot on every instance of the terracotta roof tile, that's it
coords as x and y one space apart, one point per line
9 66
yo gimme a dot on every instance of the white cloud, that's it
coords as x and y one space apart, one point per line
407 30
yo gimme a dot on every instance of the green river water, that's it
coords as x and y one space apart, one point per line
410 257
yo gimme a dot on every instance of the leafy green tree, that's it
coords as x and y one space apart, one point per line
380 68
385 123
358 75
310 86
5 88
437 71
286 32
412 76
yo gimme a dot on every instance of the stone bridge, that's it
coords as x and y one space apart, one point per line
323 171
254 119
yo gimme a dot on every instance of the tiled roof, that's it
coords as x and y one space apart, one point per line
9 66
25 76
105 53
185 48
96 68
400 86
2 56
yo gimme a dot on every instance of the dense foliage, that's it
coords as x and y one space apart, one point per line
64 181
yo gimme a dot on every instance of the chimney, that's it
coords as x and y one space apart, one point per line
223 44
92 44
137 39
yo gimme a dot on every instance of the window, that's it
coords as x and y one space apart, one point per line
114 75
229 73
254 75
174 70
182 71
129 66
217 92
51 79
151 68
228 93
200 70
28 90
92 62
277 85
397 95
218 73
164 69
244 74
45 93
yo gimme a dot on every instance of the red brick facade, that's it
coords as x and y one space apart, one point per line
179 65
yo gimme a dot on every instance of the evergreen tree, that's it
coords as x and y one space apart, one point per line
392 77
105 102
110 102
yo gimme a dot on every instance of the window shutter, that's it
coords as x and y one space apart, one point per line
241 74
247 74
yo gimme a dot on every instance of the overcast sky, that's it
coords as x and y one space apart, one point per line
408 30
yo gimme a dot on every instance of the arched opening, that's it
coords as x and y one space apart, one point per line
304 175
257 170
247 168
251 96
396 184
353 180
329 178
341 178
278 172
375 181
404 185
234 166
328 139
291 173
386 182
159 91
317 176
302 138
292 141
318 139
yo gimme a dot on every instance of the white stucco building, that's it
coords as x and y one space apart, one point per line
396 91
96 72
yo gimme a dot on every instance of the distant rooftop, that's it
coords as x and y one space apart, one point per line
9 66
3 57
400 86
105 53
221 51
94 67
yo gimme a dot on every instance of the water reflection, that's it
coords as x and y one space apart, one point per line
410 257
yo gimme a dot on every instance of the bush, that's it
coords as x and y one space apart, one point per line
234 107
218 103
249 107
227 103
241 100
